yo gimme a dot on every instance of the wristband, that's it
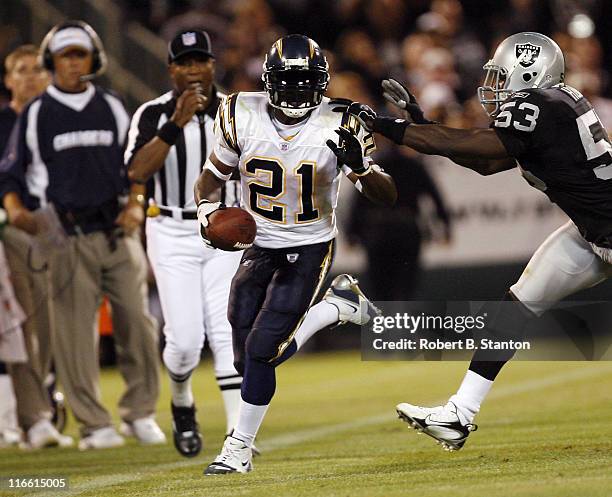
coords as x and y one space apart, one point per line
392 128
169 132
208 165
364 171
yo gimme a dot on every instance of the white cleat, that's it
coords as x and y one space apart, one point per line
441 423
235 457
102 438
145 430
43 434
353 306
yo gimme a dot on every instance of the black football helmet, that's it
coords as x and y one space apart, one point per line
295 75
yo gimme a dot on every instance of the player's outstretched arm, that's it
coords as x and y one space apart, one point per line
478 149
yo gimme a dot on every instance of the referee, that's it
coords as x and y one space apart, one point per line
169 140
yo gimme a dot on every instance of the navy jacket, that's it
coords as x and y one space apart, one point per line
67 149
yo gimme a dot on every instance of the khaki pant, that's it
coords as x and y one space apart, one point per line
30 278
81 274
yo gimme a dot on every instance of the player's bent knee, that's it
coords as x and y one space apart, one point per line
260 347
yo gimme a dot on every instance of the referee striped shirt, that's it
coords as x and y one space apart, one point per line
172 185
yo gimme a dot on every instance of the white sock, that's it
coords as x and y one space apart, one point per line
249 421
8 406
318 317
231 402
182 395
473 390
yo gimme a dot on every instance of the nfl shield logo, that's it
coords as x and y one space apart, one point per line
188 39
529 52
292 257
284 146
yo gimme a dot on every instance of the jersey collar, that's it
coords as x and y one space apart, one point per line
76 101
266 118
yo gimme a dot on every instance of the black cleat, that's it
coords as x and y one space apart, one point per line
187 438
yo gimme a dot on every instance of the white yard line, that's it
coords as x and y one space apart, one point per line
300 436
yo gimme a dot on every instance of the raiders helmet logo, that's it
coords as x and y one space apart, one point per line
530 51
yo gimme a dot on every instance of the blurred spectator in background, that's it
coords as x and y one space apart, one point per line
585 72
348 84
70 162
12 349
447 26
392 237
252 30
26 79
437 91
356 52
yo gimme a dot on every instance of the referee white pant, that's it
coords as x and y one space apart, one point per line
193 283
564 264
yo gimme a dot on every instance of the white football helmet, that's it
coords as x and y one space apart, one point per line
523 60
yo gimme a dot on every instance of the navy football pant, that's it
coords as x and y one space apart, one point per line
271 292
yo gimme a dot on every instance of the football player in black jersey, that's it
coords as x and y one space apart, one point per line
552 133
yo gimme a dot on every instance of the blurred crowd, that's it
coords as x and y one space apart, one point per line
437 47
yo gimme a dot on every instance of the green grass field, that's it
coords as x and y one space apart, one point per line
545 430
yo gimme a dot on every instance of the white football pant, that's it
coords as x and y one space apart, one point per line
564 264
193 283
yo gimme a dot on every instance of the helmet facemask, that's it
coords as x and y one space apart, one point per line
295 91
493 91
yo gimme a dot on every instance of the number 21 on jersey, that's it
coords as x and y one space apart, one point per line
275 187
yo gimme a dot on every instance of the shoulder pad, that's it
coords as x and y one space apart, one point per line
227 121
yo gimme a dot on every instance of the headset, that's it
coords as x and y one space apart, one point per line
100 61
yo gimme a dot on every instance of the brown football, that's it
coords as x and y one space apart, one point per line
231 229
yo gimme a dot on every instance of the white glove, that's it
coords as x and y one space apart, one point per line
205 209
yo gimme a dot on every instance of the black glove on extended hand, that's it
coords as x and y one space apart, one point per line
349 151
390 127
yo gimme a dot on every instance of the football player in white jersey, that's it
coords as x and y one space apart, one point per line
284 143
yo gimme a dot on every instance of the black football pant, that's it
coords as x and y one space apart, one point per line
270 294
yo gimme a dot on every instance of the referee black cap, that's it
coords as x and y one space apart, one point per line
188 42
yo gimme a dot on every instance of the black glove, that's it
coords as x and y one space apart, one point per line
349 151
397 94
363 113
